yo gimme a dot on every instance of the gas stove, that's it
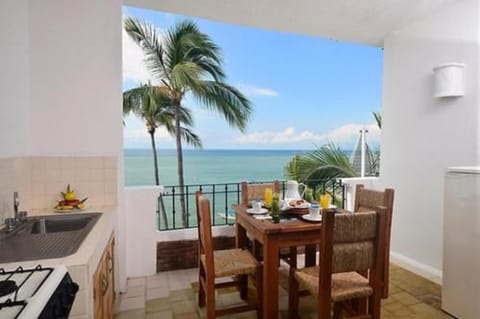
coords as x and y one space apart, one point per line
40 292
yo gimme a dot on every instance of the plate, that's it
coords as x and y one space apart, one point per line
260 212
310 218
262 217
286 206
56 210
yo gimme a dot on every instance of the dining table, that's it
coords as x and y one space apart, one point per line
291 232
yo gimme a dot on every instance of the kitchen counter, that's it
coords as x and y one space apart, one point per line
83 263
91 246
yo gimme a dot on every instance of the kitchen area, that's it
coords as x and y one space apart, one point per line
58 263
61 124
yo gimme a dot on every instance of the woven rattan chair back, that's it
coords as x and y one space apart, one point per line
251 191
368 200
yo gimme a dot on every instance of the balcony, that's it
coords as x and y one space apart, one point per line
222 197
172 290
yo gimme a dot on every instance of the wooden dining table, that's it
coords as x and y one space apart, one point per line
273 237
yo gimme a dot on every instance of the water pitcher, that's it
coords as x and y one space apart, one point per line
292 190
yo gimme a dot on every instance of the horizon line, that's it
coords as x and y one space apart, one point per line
226 149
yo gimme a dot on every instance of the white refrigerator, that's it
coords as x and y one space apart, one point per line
461 243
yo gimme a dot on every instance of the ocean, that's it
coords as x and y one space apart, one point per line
207 166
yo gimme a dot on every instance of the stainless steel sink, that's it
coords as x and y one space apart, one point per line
51 225
42 237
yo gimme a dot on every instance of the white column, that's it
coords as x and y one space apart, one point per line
141 204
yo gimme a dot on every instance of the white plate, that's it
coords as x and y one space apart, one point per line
262 217
310 218
71 210
259 212
285 206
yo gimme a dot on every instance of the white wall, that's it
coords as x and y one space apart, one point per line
76 86
14 89
421 136
76 77
141 253
61 84
141 249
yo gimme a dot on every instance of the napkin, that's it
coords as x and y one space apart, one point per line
262 217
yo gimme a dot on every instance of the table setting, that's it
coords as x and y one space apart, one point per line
276 223
295 205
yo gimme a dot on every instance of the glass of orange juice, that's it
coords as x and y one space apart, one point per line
268 197
325 200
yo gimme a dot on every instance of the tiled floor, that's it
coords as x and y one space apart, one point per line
172 295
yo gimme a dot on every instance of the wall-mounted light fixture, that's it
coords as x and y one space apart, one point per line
449 80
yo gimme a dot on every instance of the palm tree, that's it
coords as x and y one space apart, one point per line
155 108
378 119
187 61
326 162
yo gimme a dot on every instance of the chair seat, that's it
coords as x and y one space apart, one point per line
232 262
345 286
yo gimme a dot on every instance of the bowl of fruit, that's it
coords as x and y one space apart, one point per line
69 201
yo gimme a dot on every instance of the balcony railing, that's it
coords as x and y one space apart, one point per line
222 196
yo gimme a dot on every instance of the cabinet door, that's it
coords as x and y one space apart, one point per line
97 291
109 297
104 285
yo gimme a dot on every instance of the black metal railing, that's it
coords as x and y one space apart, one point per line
222 196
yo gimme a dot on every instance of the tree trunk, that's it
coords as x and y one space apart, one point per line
155 167
181 183
155 160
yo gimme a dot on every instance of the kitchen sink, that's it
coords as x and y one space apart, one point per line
42 237
51 225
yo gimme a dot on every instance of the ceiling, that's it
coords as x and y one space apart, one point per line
359 21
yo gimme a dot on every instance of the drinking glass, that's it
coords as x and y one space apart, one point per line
325 200
257 205
314 210
276 207
268 197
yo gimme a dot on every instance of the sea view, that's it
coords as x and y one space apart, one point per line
207 166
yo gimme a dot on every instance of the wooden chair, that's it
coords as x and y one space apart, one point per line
251 191
368 200
237 263
351 244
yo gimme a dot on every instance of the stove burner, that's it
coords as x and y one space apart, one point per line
7 287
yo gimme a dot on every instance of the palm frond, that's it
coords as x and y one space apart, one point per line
132 100
326 162
186 74
191 138
185 43
378 119
186 116
148 38
227 101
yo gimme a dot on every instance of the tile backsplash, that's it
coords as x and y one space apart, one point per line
39 181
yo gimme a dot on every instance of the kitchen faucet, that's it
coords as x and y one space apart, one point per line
18 217
16 203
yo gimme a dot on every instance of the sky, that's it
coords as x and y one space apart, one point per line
306 91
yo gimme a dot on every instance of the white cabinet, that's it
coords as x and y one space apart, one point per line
461 243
